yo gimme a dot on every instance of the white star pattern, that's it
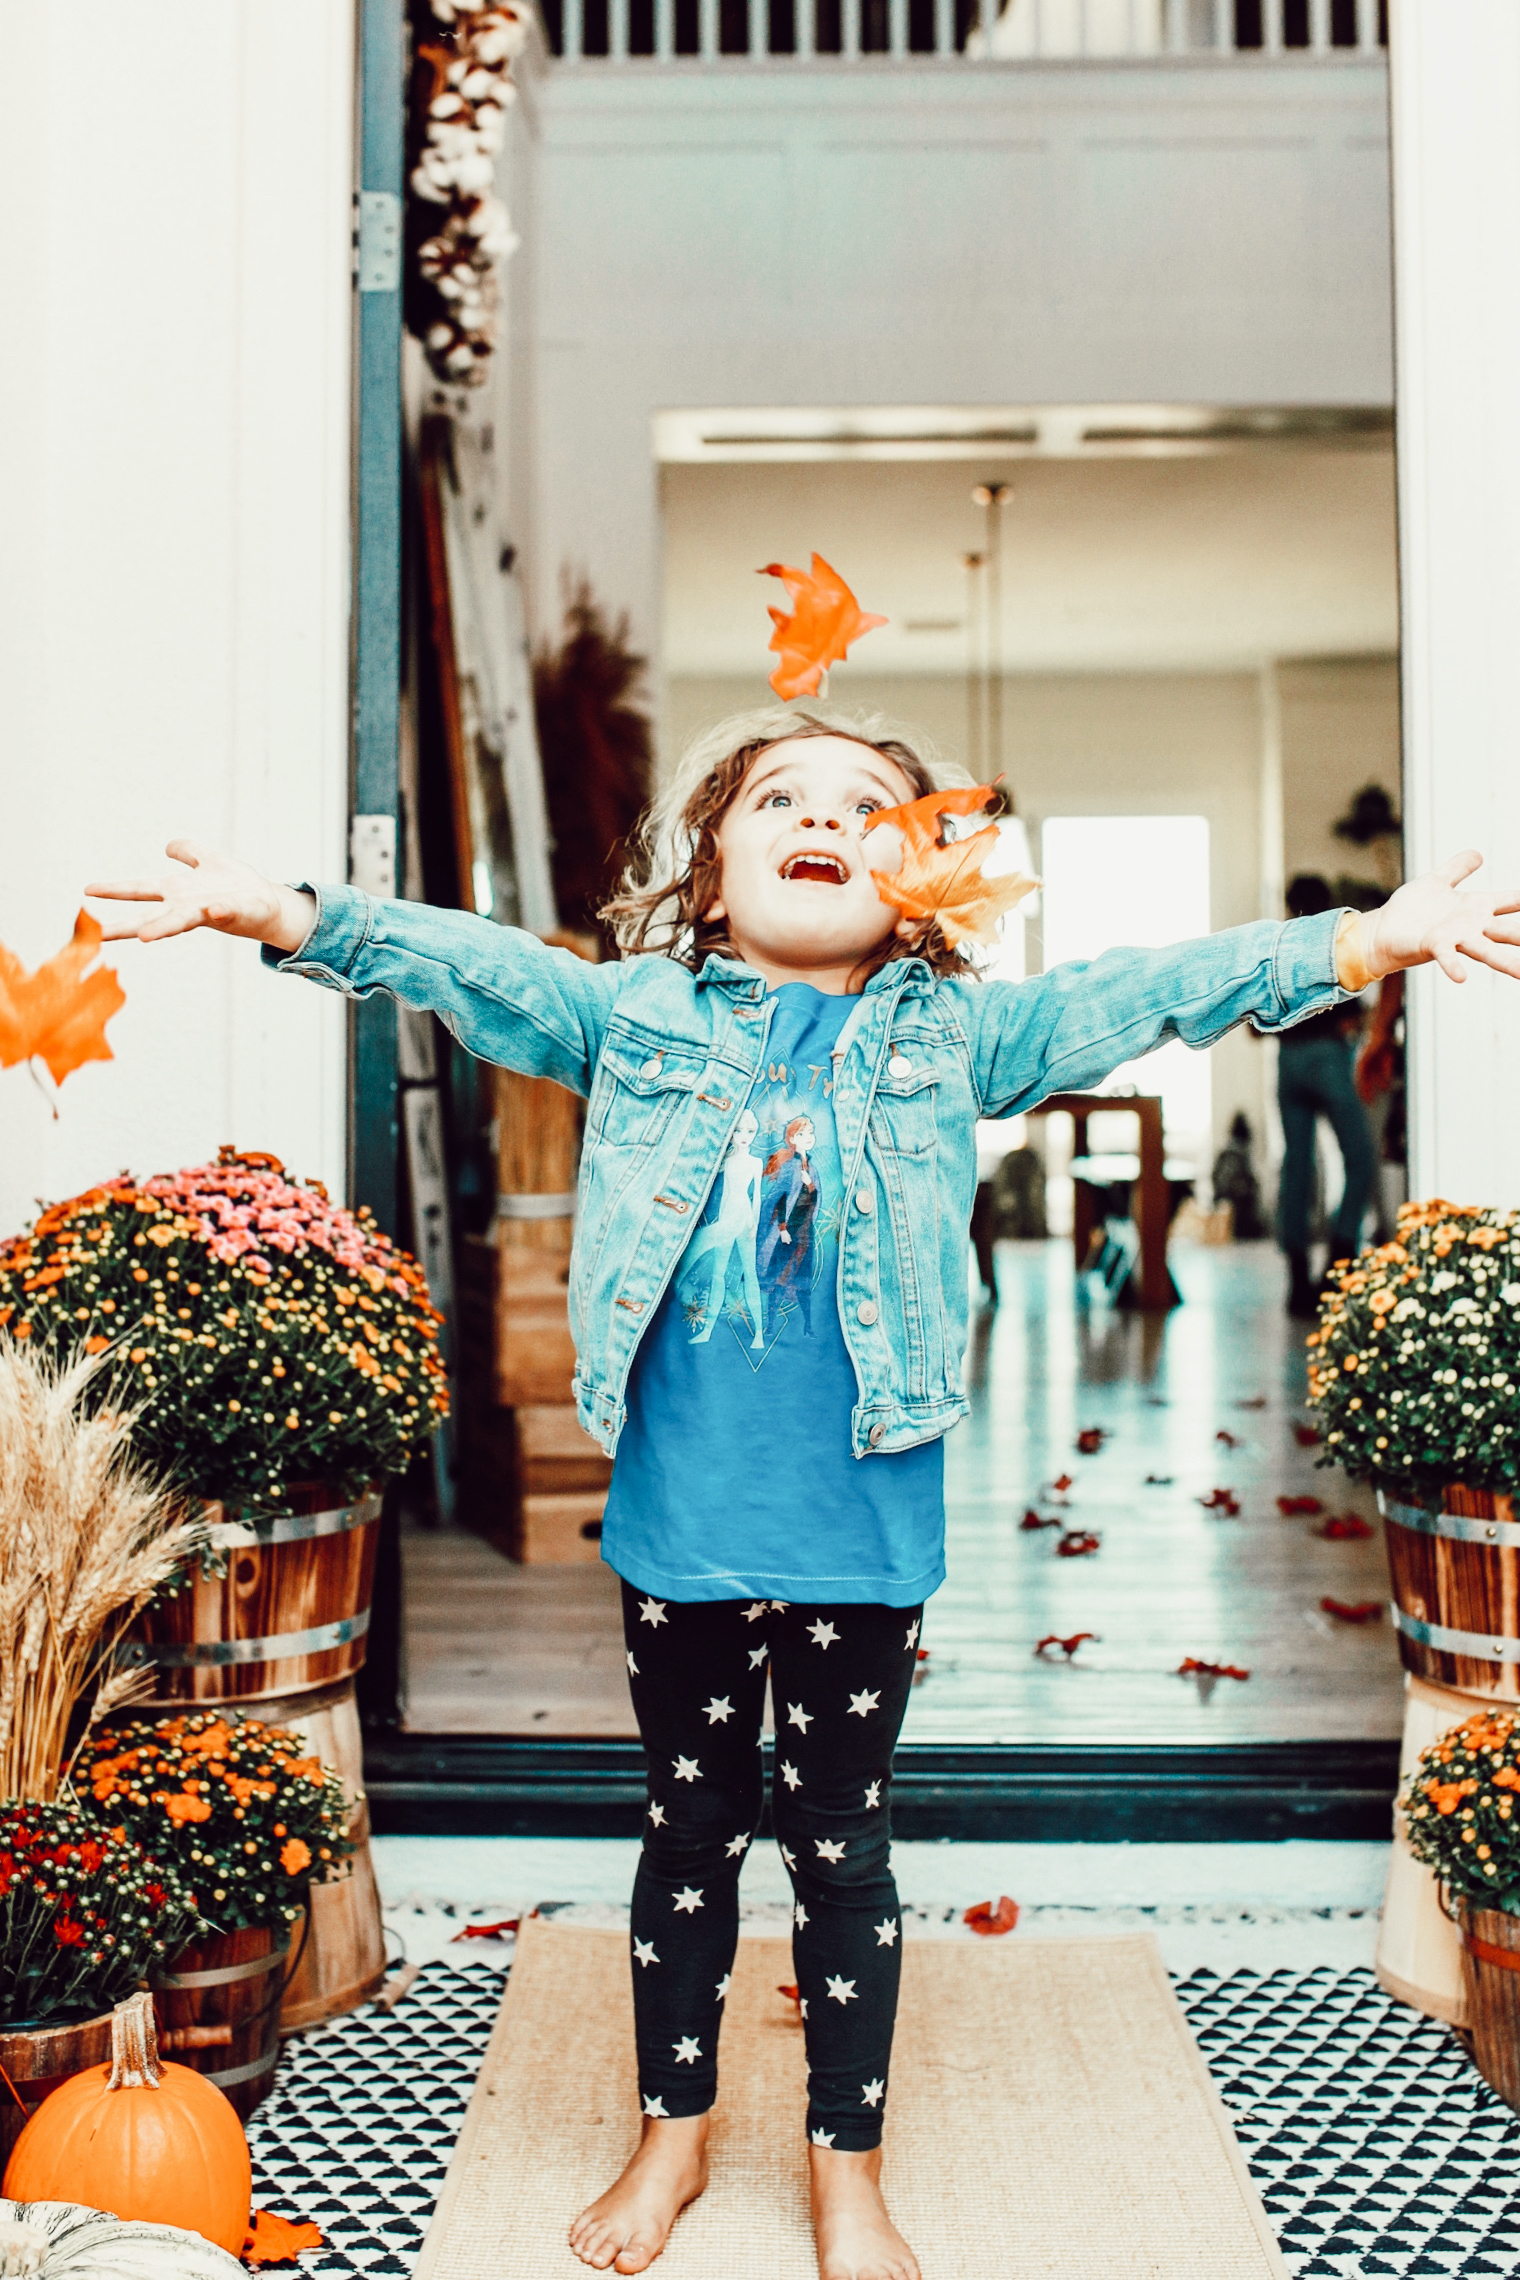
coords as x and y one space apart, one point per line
655 2109
797 1716
780 1605
841 1990
688 1902
687 1769
822 1634
830 1849
791 1777
873 1793
862 1703
824 2137
688 2050
644 1952
653 1611
724 1984
633 1668
735 1846
913 1632
757 1655
886 1934
873 2092
657 1815
752 1613
799 1916
719 1710
789 1857
802 2005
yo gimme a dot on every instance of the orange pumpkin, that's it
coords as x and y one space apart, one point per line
139 2139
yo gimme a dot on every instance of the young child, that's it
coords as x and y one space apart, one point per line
769 1298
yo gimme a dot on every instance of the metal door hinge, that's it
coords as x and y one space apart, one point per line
372 853
377 241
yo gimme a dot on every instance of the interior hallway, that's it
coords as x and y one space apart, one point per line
497 1649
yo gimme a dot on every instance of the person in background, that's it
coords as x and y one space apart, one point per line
1380 1082
1234 1181
1314 1079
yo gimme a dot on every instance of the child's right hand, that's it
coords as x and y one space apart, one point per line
208 890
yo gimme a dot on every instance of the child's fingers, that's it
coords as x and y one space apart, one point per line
127 890
189 851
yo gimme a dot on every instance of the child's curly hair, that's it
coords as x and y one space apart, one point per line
674 875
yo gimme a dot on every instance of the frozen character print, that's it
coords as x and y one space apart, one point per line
786 1243
730 1239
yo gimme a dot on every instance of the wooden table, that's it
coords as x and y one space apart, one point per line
1149 1202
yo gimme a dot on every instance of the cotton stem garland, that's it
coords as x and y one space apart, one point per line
461 90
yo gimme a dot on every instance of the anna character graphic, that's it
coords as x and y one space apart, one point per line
786 1245
732 1231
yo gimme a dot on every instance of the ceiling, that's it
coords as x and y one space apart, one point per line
1143 561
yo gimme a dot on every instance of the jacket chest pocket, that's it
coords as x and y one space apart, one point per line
903 1117
638 1092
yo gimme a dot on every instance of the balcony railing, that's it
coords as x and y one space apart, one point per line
780 31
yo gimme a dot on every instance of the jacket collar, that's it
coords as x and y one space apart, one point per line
898 976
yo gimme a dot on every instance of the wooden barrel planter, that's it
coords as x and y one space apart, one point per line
1419 1947
1491 1982
1456 1590
36 2059
218 2009
291 1612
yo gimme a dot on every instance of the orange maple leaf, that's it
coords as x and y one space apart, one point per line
276 2240
60 1012
825 619
944 881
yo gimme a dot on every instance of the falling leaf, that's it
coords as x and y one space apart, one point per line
275 2240
1077 1543
1191 1667
1307 1436
1346 1528
1292 1506
1059 1487
1091 1439
942 880
825 619
1222 1500
58 1014
487 1931
1068 1647
1032 1520
1357 1611
990 1921
923 1654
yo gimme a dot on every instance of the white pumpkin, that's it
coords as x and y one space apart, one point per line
57 2240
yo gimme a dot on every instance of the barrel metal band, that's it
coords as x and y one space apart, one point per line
226 2076
1482 1646
1507 1959
299 1527
200 1654
535 1206
225 1974
1456 1527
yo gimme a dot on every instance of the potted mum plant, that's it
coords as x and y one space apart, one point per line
1414 1370
249 1820
1460 1818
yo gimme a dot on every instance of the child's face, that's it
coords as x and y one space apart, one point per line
796 883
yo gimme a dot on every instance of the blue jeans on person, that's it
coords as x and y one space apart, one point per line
1316 1080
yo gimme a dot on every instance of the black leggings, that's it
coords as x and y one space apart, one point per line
840 1678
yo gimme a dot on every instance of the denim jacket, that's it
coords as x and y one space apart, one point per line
667 1058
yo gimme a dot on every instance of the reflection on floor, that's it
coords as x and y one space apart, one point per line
1202 1399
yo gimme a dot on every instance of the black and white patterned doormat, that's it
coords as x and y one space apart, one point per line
1377 2149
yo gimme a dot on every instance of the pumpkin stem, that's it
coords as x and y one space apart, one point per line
134 2046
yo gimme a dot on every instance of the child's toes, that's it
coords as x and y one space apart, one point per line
638 2252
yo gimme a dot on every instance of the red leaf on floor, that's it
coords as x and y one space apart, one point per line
1032 1520
991 1920
1159 1480
1068 1647
1077 1543
275 2240
1059 1487
923 1654
1191 1667
1307 1436
1230 1440
1291 1506
1359 1611
792 1994
1091 1439
1346 1528
487 1931
1255 1401
1221 1500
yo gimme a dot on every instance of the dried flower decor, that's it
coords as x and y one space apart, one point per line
85 1914
1459 1810
1414 1368
458 230
245 1815
265 1335
85 1543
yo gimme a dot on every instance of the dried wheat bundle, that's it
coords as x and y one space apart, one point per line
85 1542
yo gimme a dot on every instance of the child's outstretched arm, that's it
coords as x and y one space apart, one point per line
1067 1030
505 995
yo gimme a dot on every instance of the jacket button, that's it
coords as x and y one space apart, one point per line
899 1066
876 1435
652 1066
867 1311
864 1200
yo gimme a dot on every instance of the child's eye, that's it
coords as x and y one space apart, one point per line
867 807
777 799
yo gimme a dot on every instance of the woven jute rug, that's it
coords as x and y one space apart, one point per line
1050 2116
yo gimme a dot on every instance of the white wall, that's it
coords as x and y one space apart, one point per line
174 292
1340 731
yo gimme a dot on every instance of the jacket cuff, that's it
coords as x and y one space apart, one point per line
1304 967
342 927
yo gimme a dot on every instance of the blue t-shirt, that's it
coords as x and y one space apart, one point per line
734 1476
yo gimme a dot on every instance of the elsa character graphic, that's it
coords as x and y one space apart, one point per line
733 1230
786 1247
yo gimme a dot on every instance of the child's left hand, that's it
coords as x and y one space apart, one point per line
1435 919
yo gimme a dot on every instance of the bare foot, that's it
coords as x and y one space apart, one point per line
856 2238
630 2224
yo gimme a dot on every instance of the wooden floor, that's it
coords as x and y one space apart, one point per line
493 1648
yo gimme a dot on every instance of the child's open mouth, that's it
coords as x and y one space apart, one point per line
826 869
